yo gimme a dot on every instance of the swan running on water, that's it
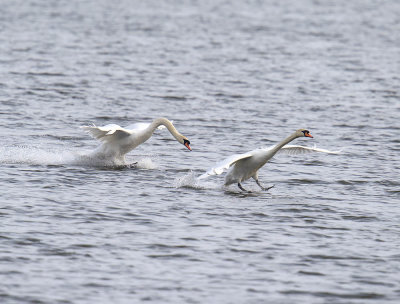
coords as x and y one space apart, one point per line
243 166
118 141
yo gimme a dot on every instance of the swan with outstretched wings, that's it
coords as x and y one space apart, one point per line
118 141
244 166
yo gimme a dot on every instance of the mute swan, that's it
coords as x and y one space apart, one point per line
244 166
118 141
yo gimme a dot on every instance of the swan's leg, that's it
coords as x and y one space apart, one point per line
241 188
263 188
133 165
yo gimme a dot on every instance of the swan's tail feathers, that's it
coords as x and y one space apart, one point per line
293 150
213 171
106 133
225 164
203 176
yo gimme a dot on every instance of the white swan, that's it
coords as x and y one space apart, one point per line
118 141
244 166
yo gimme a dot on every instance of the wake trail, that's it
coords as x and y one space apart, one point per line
32 155
190 180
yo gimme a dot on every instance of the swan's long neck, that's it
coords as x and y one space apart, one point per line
270 153
165 122
133 142
283 143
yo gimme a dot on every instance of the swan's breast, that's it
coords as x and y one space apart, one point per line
241 171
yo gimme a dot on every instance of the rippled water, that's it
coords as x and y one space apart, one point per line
233 77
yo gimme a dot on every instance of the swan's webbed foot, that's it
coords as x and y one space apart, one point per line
263 188
241 188
132 165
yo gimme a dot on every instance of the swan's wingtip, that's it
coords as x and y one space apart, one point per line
332 152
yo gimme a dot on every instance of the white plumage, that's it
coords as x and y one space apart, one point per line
118 141
244 166
103 133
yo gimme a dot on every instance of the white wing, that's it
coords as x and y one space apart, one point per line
223 165
107 132
293 150
139 126
113 131
220 167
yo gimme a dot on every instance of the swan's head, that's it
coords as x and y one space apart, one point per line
303 133
184 141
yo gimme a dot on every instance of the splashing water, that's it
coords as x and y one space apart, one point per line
146 163
42 156
34 156
190 180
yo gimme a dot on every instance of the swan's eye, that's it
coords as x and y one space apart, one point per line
307 133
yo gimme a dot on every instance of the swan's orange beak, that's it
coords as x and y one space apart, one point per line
187 146
308 135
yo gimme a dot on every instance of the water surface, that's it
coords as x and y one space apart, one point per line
233 77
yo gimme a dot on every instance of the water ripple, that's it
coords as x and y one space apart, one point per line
234 76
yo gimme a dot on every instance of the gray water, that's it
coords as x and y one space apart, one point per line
233 76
